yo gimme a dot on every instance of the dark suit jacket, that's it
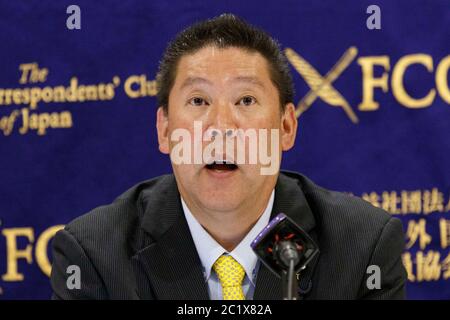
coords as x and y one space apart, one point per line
140 246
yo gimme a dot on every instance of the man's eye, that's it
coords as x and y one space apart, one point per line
197 101
247 101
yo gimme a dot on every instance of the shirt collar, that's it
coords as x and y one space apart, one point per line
209 250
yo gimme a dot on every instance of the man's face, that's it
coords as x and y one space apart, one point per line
225 89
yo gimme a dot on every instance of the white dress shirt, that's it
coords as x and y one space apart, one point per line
209 251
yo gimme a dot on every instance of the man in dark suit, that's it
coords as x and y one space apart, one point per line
187 235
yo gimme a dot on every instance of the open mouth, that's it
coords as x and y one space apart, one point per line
222 166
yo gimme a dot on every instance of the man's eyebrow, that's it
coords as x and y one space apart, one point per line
249 79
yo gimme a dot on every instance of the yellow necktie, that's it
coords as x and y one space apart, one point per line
230 274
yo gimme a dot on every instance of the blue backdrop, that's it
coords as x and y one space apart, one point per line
77 115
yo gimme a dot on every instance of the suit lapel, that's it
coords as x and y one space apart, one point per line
170 263
290 200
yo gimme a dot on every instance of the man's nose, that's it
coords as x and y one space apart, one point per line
222 120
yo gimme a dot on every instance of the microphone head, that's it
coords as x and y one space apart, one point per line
280 230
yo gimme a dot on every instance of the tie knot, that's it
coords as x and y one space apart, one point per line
229 271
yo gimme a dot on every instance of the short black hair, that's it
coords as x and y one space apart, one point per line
226 30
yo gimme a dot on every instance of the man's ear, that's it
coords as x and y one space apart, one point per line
162 127
288 127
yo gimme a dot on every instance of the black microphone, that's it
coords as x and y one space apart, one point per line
285 249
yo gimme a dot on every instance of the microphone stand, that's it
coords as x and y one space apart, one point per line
289 283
